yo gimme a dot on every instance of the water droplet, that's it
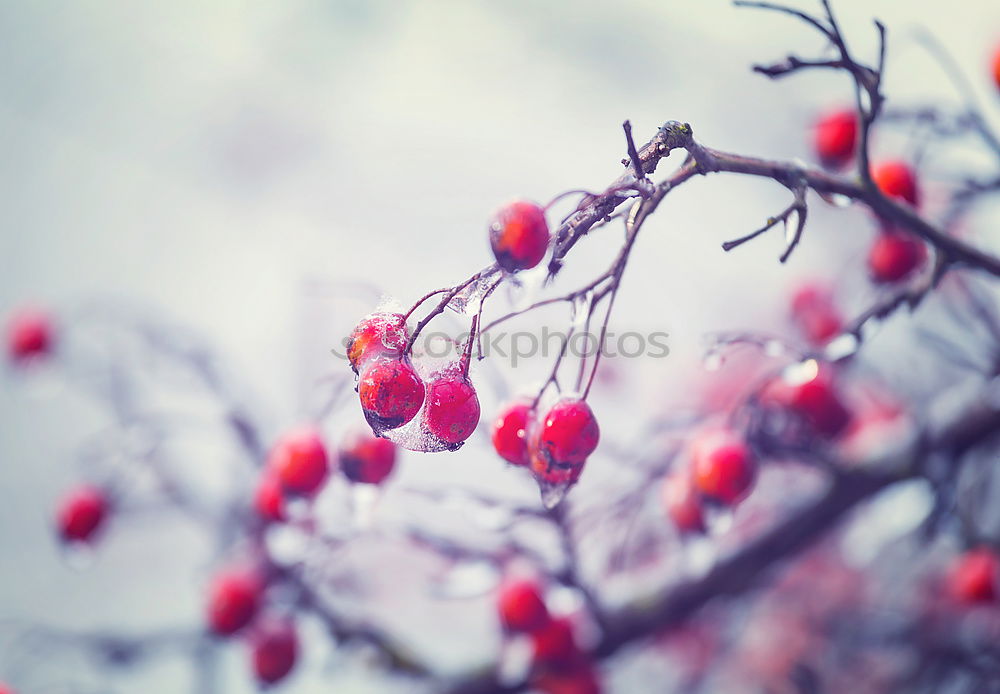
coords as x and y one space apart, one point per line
841 347
363 499
718 519
581 309
286 544
515 660
802 372
552 494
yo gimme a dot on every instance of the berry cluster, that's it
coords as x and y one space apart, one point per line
236 600
558 663
553 443
895 254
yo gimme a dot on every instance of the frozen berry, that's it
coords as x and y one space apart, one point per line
299 460
234 597
81 514
554 642
681 503
836 136
391 392
29 334
577 677
519 236
275 648
366 458
452 410
815 313
376 334
894 256
996 68
722 466
510 432
4 689
521 606
897 180
974 576
268 498
568 433
810 394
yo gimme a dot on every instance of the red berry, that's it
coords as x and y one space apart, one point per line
974 576
519 236
81 514
376 334
521 605
681 503
29 334
4 689
813 397
366 458
897 180
576 678
510 435
815 313
268 500
275 648
452 411
561 441
554 642
894 256
722 466
568 433
299 460
996 68
234 597
391 392
836 137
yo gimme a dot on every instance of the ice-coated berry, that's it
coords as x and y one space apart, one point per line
378 334
510 432
29 334
366 458
81 514
996 68
274 650
813 397
521 606
974 576
680 501
568 432
815 313
554 642
269 500
452 409
894 256
391 392
234 596
722 466
897 180
300 461
519 235
836 136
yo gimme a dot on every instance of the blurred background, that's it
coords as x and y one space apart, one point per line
263 173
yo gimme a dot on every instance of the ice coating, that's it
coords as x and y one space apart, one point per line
467 301
417 434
